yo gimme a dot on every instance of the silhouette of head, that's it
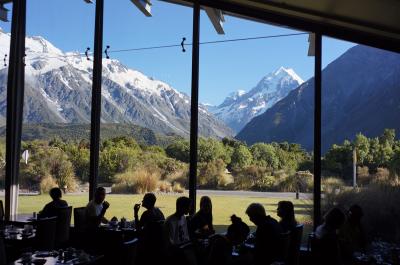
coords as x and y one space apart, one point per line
149 200
256 213
355 213
205 204
99 195
183 205
237 231
286 210
334 218
55 194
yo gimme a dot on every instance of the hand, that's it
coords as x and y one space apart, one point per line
106 205
136 208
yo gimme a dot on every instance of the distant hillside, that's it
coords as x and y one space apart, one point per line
58 90
77 132
360 93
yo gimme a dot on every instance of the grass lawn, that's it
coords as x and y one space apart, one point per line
223 206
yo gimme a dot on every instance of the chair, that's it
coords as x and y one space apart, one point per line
1 211
284 244
129 250
80 218
63 226
3 258
46 233
294 246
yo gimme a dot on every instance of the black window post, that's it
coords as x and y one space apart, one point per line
15 104
194 110
96 98
317 129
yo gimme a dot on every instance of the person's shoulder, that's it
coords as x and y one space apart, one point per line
90 204
63 203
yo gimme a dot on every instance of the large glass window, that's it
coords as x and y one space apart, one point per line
5 38
252 92
57 105
145 115
360 142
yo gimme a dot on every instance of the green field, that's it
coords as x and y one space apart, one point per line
223 206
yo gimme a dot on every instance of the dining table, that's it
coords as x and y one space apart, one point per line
71 257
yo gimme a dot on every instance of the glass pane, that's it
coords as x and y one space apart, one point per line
255 89
57 107
145 115
4 55
360 146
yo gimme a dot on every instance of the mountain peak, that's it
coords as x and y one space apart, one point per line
282 71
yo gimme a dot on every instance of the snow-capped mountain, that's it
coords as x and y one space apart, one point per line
58 90
240 107
361 93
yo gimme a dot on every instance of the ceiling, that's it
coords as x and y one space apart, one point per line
371 22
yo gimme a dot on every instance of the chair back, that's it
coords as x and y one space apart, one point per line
284 246
1 211
3 258
80 218
46 233
63 226
129 250
294 247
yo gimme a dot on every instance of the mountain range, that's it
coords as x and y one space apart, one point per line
58 90
240 106
360 93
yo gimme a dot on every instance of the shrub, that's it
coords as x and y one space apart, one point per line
180 176
139 181
225 180
266 183
178 188
381 175
47 183
212 174
363 176
332 184
380 206
164 186
301 181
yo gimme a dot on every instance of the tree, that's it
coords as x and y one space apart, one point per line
179 150
241 157
361 143
209 150
264 155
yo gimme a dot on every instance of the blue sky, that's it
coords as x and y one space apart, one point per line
227 67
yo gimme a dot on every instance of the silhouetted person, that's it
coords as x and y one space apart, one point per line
96 209
201 224
222 245
286 212
267 236
351 234
152 213
51 209
326 247
176 226
177 234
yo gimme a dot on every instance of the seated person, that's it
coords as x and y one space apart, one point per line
176 225
351 235
286 212
51 208
326 246
151 215
200 225
267 237
96 209
222 245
